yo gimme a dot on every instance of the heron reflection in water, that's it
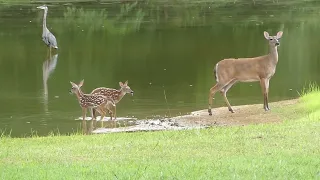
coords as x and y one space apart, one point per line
47 69
48 38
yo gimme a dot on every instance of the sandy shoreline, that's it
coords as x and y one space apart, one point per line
244 115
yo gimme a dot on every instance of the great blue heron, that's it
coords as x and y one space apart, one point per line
47 36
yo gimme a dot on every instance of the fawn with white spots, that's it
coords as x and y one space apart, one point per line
92 101
229 71
115 94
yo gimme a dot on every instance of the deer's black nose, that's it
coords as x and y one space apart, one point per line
277 43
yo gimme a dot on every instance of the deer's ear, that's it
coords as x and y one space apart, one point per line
126 83
279 34
81 82
73 84
121 84
266 34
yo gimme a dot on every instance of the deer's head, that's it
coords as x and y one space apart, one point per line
125 88
75 88
273 40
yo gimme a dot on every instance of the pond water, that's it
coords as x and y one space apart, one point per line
167 58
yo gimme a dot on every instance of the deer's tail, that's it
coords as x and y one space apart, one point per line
215 69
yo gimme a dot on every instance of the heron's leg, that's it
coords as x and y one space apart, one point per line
48 53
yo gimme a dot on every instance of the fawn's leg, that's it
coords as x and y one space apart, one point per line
93 121
114 112
102 113
91 127
94 118
110 114
112 108
84 124
93 113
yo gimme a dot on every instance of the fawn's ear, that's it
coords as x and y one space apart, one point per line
126 83
121 84
73 84
266 35
279 34
81 82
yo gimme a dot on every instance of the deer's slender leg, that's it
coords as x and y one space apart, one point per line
111 108
91 127
263 84
91 110
93 114
267 93
114 111
94 119
114 114
102 115
111 114
212 92
224 91
101 119
84 124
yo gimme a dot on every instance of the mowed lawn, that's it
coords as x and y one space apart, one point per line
286 150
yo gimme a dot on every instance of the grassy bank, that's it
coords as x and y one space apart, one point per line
288 150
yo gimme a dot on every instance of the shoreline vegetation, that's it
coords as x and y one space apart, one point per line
128 16
286 150
253 2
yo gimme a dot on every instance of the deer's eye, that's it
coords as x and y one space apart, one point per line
270 39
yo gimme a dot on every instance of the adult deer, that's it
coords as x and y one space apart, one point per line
115 94
229 71
91 101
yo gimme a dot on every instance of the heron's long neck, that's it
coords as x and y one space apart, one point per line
44 25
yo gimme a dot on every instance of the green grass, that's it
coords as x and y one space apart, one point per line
287 150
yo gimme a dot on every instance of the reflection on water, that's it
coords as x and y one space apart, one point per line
47 69
107 123
168 65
